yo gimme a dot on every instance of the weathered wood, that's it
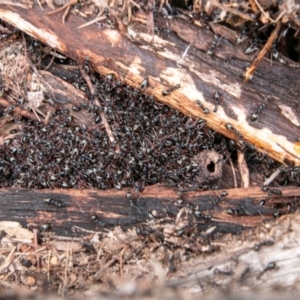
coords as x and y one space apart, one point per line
238 210
200 75
258 259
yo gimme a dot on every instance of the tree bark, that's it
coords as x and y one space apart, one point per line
93 210
132 57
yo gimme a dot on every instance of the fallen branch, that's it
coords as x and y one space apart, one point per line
199 77
228 211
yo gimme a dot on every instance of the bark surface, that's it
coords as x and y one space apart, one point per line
136 55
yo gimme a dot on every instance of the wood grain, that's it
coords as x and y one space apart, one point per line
133 57
239 210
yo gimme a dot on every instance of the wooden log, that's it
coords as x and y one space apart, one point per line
260 259
133 57
221 211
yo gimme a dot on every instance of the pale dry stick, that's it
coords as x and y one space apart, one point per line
183 55
67 264
87 80
253 6
36 114
13 270
51 61
162 2
139 19
129 12
35 243
63 285
230 10
233 173
273 176
121 260
70 239
41 249
105 267
41 78
102 114
135 4
9 259
197 5
111 262
49 115
5 120
243 168
248 74
62 8
5 284
83 229
121 26
267 16
97 19
99 252
40 5
19 111
65 14
48 265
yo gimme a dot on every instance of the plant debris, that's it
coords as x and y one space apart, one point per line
43 145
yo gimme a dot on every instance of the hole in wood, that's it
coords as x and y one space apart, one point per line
211 167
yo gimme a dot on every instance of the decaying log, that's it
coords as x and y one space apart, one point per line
228 211
181 58
258 259
262 257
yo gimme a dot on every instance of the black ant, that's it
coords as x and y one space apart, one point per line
204 109
169 90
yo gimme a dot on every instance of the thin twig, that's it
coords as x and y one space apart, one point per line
51 61
83 229
267 16
233 173
262 52
230 10
243 168
48 265
9 259
62 8
98 19
272 177
40 5
34 69
121 260
98 274
65 14
97 102
19 111
35 239
183 55
135 4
